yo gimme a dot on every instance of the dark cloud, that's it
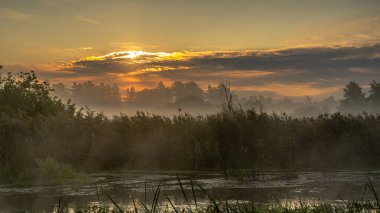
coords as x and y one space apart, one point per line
321 67
329 60
99 67
325 65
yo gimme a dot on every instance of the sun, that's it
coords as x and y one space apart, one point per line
134 54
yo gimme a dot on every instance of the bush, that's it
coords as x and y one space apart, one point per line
51 170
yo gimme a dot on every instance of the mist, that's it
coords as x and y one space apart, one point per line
189 97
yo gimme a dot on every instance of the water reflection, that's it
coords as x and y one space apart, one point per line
267 187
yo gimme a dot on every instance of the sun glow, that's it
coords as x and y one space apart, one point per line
125 54
134 54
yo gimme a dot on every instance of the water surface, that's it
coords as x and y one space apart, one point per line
263 187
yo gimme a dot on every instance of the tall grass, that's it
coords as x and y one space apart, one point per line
35 125
222 141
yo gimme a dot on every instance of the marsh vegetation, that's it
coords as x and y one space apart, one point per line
46 141
36 127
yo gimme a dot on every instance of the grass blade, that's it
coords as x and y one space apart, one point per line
227 207
144 206
134 205
194 196
370 186
176 211
117 206
146 180
183 192
210 197
155 198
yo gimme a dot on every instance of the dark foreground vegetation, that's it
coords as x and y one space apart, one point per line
41 136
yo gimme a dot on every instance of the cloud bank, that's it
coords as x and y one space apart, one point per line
315 71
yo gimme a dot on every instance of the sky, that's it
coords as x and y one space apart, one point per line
281 47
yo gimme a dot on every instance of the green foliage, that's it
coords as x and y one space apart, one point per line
25 94
51 170
25 104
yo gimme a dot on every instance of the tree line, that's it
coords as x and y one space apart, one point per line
104 96
190 95
355 100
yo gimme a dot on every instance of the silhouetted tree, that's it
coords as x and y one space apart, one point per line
181 90
158 96
193 89
228 103
374 96
131 94
178 89
329 104
103 95
26 94
163 93
354 98
215 94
